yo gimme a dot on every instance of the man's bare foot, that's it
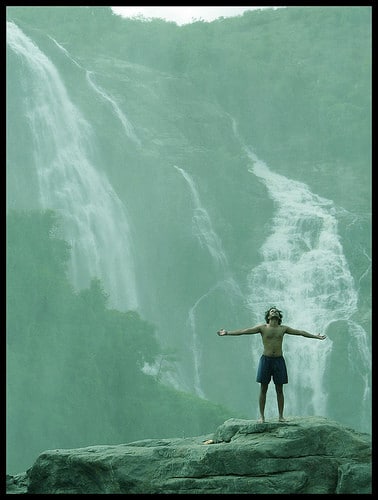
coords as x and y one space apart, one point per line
281 419
261 420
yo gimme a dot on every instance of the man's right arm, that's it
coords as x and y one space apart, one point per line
253 329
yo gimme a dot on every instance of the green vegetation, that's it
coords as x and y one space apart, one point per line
74 373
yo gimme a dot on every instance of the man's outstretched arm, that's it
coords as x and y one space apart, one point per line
293 331
253 329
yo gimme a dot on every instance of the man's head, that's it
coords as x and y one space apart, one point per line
273 312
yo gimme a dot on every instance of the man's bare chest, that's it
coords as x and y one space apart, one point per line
272 334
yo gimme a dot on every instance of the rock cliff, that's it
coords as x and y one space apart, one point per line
301 455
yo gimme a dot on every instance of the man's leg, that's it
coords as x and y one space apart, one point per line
280 401
262 400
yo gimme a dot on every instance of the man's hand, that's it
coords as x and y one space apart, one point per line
321 337
222 332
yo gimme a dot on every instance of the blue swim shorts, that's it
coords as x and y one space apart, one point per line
272 367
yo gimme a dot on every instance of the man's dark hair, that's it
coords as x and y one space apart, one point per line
279 314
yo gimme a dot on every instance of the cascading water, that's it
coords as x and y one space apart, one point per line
203 230
95 220
202 226
358 344
127 126
304 272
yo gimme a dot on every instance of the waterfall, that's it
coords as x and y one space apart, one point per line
304 272
202 226
96 222
127 126
195 348
359 346
203 230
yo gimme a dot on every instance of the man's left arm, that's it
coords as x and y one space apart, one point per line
293 331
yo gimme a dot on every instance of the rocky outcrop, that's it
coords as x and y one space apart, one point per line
301 455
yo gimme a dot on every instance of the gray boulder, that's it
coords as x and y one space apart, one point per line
301 455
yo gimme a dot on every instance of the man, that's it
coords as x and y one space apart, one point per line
272 362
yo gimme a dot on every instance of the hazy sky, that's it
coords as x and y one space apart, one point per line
184 15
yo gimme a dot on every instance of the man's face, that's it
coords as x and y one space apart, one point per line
273 313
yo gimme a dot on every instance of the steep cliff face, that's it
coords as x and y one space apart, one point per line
302 455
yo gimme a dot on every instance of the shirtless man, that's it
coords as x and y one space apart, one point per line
272 362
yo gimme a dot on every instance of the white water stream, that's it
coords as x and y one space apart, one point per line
96 222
